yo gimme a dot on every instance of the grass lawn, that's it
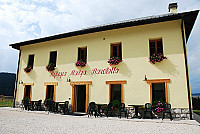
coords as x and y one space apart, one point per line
197 112
6 104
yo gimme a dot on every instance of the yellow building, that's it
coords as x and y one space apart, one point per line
137 77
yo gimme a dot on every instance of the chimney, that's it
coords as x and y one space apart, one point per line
173 7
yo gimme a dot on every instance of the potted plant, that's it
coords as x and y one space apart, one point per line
25 102
156 58
115 107
158 107
114 60
28 69
50 67
80 63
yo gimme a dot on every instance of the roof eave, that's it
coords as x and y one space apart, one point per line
189 19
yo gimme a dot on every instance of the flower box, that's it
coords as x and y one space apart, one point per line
50 67
114 60
156 58
28 69
80 63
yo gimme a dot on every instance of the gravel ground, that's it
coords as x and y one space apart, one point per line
14 121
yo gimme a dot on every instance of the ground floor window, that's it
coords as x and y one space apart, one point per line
115 92
50 92
158 92
27 91
158 89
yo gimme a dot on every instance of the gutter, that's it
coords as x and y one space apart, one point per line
186 66
16 79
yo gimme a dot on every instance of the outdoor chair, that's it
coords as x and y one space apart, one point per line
92 109
148 109
167 109
27 104
109 109
64 107
122 110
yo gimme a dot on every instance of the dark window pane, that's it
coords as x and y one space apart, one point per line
116 92
152 48
82 54
28 91
31 60
158 92
50 92
120 51
159 47
53 57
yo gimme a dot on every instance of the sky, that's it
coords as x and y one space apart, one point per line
22 20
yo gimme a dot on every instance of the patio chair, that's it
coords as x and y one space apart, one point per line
65 108
109 109
122 110
27 104
148 109
92 109
167 109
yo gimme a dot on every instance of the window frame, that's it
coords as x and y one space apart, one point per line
156 46
151 81
85 54
51 52
118 50
28 64
122 82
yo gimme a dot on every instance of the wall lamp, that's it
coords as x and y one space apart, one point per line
68 79
21 82
145 78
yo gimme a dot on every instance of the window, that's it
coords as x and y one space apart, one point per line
31 60
155 46
82 54
158 89
158 92
116 50
115 92
27 91
50 92
53 57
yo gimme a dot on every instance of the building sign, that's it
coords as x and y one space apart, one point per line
80 73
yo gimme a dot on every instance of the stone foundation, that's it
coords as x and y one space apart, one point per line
177 113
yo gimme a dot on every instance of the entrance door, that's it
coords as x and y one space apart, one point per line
80 98
27 91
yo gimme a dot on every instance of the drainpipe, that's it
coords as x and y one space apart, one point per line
15 91
186 66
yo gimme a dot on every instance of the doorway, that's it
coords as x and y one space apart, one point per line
80 98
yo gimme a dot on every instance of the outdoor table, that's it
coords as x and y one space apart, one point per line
33 105
58 104
99 108
136 110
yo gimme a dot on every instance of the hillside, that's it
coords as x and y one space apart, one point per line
7 84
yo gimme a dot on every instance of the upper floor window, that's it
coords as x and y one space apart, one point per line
116 50
30 61
156 47
53 57
82 54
